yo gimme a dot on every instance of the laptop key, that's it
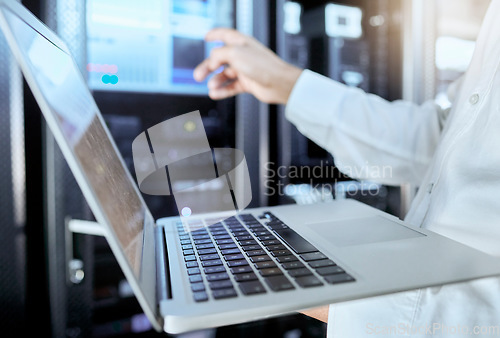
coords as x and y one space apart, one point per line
293 265
234 257
192 264
256 227
252 222
228 246
198 229
286 259
207 251
265 265
233 223
233 264
278 253
202 241
200 296
249 242
224 241
196 237
251 247
255 253
211 263
214 269
187 246
241 269
231 251
271 272
188 252
209 257
245 277
247 217
313 256
205 246
197 287
244 238
329 270
226 236
217 276
225 293
295 241
300 272
241 233
271 242
277 226
190 258
308 281
275 247
252 288
339 278
266 238
195 278
256 259
222 284
279 283
193 271
219 232
321 263
199 232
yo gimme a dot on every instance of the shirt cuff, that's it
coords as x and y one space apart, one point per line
311 94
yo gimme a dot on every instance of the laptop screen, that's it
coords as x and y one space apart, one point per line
59 81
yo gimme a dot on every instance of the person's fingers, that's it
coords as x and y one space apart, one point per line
230 72
221 87
219 57
220 80
201 71
227 35
225 92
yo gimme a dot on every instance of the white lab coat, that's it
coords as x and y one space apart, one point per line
455 159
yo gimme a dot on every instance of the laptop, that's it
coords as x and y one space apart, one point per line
258 263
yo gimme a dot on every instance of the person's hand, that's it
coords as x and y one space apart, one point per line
248 66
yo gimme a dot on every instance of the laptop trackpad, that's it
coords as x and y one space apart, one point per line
362 231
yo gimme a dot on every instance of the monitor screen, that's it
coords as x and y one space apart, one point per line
153 45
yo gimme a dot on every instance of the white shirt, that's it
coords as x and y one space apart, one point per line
454 158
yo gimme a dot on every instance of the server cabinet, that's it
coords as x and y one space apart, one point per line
12 197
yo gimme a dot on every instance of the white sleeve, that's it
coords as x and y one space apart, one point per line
370 138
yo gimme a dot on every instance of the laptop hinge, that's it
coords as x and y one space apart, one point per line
163 286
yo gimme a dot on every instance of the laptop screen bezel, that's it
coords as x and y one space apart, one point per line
144 285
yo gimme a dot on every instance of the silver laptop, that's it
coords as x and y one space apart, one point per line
259 263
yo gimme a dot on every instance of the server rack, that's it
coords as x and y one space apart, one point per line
13 256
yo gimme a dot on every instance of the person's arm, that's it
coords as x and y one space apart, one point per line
369 137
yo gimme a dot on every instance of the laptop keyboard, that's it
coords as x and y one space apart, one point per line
242 252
